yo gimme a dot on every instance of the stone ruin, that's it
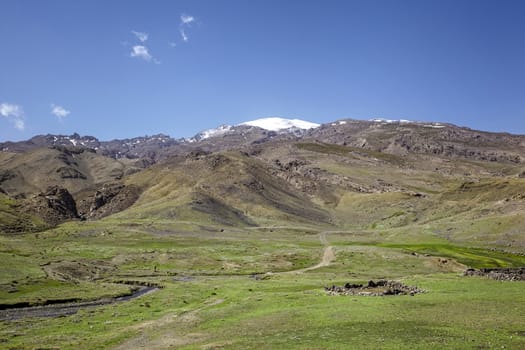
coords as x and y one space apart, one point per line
500 274
379 288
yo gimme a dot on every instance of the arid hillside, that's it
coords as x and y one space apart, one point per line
459 183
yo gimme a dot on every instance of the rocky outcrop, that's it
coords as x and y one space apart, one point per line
57 205
70 173
54 206
312 180
107 200
6 175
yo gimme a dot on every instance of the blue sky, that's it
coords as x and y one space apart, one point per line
77 66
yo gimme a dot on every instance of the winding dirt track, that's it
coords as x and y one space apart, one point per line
326 260
328 257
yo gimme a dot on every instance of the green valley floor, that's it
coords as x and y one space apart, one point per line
251 288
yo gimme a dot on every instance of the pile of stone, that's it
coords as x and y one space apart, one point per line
379 288
500 274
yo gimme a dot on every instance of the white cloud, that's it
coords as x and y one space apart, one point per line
172 44
185 19
14 114
185 22
8 110
59 111
141 51
140 35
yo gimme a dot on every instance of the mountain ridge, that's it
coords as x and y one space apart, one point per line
140 146
347 172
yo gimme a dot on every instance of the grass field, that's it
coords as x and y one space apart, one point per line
242 289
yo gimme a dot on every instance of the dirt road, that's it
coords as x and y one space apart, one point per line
326 260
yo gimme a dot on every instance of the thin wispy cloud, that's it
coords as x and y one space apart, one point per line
184 36
140 51
185 19
140 35
20 124
185 22
59 111
14 114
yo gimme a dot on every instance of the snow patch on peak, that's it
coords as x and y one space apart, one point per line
434 126
73 141
221 130
390 121
276 124
404 121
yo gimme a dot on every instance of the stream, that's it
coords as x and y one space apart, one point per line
64 309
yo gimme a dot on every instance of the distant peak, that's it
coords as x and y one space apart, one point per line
276 124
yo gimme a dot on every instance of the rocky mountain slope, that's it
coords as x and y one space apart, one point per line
52 182
437 139
452 181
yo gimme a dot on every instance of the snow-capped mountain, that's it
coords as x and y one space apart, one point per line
278 124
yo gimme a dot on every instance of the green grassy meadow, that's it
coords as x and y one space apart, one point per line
239 289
